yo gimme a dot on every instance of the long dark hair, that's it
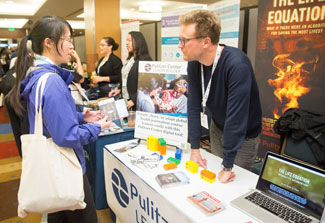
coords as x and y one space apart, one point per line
111 42
51 27
139 46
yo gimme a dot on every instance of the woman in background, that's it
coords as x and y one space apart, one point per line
109 67
49 44
138 51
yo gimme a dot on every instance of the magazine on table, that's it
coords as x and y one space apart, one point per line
166 180
208 204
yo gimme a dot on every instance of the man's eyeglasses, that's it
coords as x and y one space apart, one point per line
103 45
68 40
183 40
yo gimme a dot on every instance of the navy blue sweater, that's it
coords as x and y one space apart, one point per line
233 101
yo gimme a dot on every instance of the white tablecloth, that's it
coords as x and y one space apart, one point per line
140 199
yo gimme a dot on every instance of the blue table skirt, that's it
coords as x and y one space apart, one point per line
95 164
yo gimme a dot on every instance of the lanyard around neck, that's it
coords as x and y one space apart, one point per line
205 94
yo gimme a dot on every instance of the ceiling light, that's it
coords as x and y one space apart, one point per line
150 8
82 15
132 9
12 23
26 7
77 24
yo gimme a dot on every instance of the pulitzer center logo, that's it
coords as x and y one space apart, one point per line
119 187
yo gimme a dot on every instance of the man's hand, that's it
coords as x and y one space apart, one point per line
197 158
226 176
129 104
92 116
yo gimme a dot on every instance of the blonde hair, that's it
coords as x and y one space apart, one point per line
207 24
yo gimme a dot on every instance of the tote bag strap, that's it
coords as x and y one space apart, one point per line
38 130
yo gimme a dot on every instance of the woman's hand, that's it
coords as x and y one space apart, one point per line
75 55
104 124
92 116
112 93
130 104
96 79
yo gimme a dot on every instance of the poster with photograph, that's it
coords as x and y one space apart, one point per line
290 63
162 102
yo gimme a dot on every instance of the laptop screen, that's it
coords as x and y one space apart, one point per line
293 183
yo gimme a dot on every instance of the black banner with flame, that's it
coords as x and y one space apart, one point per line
290 61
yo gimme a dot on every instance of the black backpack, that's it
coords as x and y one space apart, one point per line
306 124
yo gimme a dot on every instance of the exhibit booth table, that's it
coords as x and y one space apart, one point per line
135 196
95 164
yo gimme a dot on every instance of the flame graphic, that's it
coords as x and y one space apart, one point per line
290 82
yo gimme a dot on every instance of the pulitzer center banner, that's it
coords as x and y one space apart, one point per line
162 102
290 64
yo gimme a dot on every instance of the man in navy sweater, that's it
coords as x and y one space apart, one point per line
221 79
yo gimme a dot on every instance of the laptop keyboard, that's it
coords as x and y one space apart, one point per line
277 208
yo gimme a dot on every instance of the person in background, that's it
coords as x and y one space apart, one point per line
49 44
138 51
77 92
75 66
109 67
5 58
221 79
19 124
14 52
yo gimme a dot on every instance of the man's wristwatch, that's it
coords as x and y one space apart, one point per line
225 168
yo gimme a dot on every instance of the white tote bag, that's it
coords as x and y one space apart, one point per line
52 178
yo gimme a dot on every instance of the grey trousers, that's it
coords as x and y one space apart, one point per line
245 155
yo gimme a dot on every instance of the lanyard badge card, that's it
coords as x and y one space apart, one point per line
205 94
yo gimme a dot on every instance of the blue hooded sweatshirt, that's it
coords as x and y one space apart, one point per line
60 119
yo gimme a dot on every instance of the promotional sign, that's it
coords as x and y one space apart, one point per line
127 27
229 13
162 102
289 61
132 199
170 33
227 10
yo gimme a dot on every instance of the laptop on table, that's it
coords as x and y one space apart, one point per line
286 191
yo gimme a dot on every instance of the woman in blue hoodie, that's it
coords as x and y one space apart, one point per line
49 44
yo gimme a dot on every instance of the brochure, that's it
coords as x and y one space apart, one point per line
115 110
208 204
172 179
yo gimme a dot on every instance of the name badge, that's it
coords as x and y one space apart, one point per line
204 120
